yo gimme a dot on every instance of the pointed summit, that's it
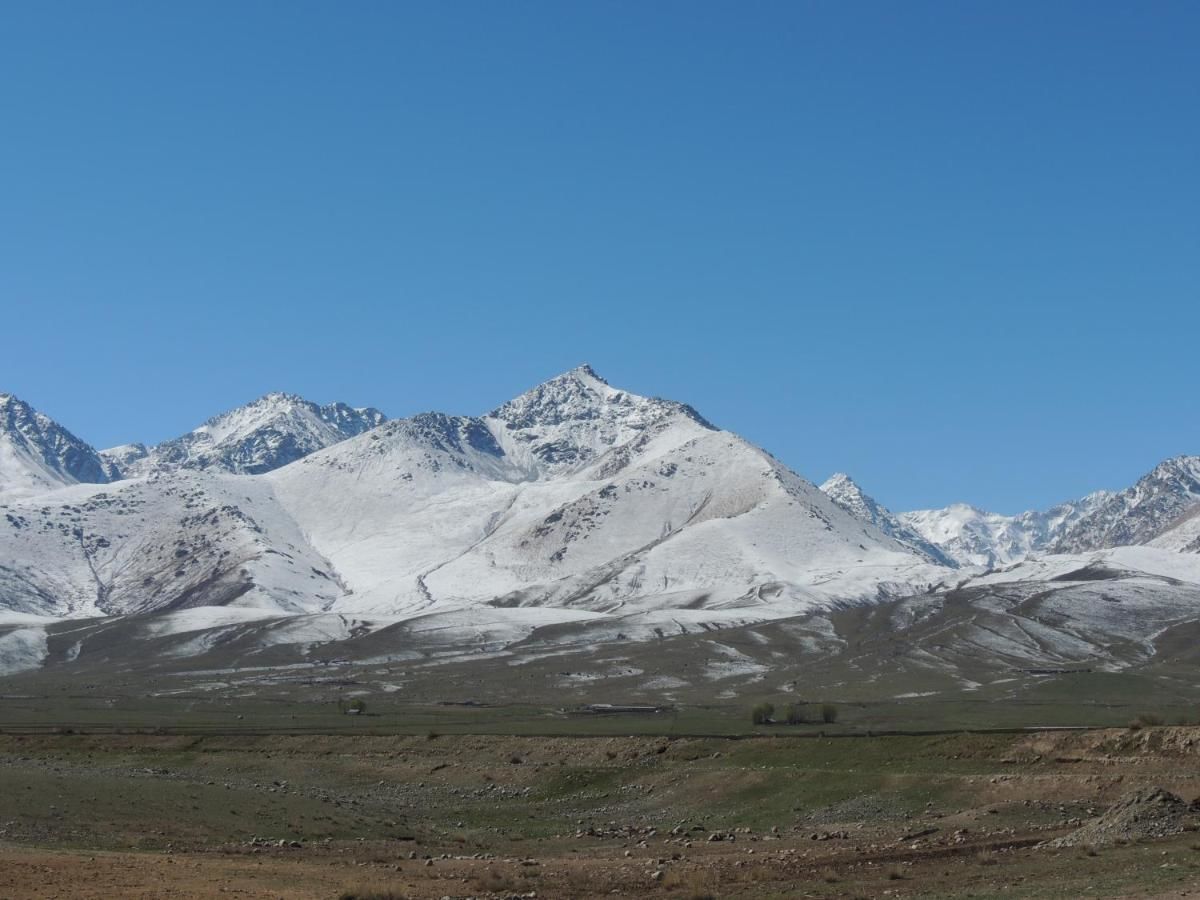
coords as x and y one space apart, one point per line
37 454
576 394
840 481
1140 513
264 434
585 371
577 416
846 493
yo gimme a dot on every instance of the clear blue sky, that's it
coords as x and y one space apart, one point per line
951 248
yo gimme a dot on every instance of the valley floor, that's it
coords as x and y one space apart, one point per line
311 816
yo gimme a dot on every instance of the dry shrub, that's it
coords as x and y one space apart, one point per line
692 884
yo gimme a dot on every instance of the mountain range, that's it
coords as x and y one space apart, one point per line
577 514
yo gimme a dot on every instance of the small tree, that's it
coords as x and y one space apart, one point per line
829 713
796 714
762 713
358 705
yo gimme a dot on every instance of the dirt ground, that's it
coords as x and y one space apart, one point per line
499 817
995 870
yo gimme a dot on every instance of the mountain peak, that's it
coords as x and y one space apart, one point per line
577 416
264 434
582 380
846 493
15 405
581 393
575 394
840 481
584 371
1184 464
278 397
270 402
38 454
1140 513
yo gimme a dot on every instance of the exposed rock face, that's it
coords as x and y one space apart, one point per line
1139 514
37 454
577 417
261 436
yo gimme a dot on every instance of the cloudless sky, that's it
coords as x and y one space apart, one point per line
950 248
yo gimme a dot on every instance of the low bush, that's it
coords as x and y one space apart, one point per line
762 713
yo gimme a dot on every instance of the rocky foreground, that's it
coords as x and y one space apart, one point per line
507 816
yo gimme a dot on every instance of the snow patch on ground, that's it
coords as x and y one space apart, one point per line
22 649
734 664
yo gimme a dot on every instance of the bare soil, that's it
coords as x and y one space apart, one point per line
497 817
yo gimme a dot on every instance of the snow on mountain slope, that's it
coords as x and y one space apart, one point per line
1162 499
1059 567
711 522
393 504
38 455
1106 611
973 537
125 459
573 515
846 493
270 432
166 542
1182 536
577 506
578 494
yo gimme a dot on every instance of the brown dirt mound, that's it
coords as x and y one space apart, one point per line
1140 815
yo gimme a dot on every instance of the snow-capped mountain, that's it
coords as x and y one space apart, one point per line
973 537
173 540
571 420
1162 510
846 493
574 496
37 454
270 432
579 495
124 460
573 516
1166 498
